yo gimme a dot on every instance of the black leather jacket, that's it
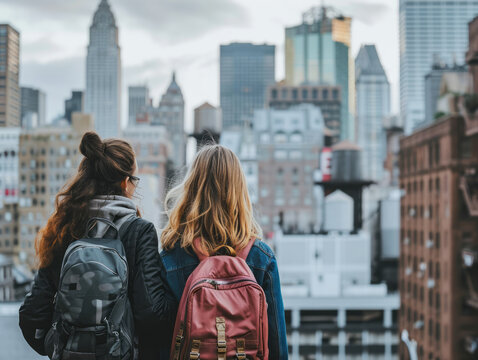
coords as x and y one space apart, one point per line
151 304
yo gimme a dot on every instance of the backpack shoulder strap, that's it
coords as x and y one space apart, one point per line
125 227
245 252
202 256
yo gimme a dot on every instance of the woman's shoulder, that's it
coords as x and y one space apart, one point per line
261 246
178 257
260 255
139 226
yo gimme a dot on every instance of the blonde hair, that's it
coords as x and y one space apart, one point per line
212 203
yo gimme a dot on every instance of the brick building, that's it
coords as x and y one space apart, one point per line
439 238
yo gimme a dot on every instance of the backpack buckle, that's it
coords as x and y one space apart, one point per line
241 349
221 346
194 355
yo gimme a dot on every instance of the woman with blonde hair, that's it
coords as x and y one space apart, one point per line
210 213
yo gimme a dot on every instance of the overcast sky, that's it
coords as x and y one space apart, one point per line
157 37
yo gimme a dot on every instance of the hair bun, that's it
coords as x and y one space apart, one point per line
91 146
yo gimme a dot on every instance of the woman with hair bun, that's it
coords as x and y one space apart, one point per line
103 187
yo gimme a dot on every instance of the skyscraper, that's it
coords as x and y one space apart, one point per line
138 99
373 105
9 76
33 105
103 73
171 115
317 52
429 29
246 70
74 104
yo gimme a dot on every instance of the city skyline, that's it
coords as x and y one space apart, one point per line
192 52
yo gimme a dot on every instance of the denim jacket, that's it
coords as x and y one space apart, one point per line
178 264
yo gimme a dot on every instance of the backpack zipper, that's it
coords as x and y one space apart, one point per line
216 283
79 247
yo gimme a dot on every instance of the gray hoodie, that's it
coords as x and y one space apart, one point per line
118 209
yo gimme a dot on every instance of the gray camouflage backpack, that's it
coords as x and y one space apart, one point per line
93 320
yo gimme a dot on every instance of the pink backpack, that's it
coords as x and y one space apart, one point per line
222 313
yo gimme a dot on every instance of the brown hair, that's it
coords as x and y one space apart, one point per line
212 203
104 166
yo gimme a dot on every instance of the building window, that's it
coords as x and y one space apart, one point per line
280 137
280 154
274 94
296 137
305 94
315 94
325 94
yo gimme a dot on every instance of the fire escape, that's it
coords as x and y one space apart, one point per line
470 267
469 253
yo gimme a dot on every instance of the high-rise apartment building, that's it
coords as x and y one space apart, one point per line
429 29
152 146
439 242
138 99
244 144
6 279
373 105
103 73
9 153
48 157
327 98
74 104
9 149
437 224
288 147
33 110
318 52
10 95
246 70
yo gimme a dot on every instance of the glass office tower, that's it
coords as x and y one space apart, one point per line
317 52
246 71
429 29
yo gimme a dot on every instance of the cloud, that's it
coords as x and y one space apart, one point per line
365 11
173 20
167 20
39 49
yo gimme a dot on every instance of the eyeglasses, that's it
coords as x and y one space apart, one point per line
134 180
